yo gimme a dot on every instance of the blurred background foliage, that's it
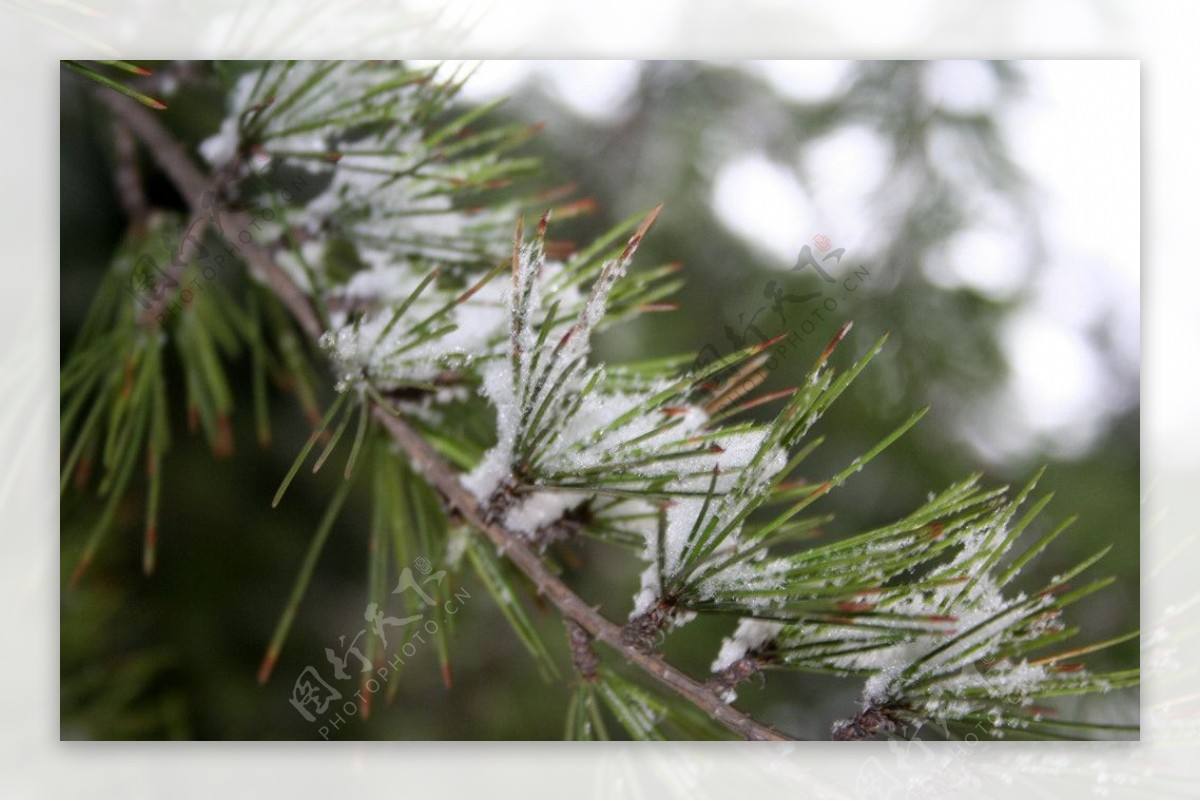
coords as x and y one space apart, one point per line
936 182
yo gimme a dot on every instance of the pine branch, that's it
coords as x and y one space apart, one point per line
513 545
192 185
638 455
174 160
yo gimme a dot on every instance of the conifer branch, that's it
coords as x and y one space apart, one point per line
443 478
377 269
193 186
191 183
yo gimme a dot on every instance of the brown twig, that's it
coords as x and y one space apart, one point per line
725 682
865 726
582 654
127 176
193 185
173 274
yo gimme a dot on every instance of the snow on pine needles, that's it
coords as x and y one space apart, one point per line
648 457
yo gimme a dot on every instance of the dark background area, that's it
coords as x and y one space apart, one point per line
175 655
